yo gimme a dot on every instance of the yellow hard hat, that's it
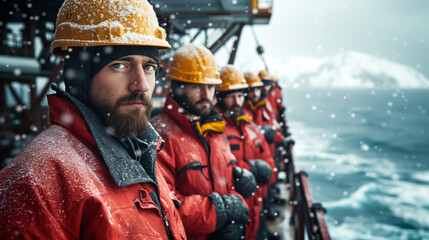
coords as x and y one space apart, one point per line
102 23
274 78
232 79
193 63
264 75
253 80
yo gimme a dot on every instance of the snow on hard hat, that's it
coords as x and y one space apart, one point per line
193 63
103 23
232 79
264 75
253 80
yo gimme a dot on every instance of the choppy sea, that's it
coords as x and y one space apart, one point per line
367 156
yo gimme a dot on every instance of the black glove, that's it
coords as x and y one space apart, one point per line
261 170
230 209
269 133
244 182
286 142
230 232
236 210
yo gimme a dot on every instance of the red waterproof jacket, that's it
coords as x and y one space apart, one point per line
275 99
58 187
261 115
195 161
247 143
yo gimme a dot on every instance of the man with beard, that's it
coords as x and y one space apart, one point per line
196 161
247 144
259 110
92 174
272 92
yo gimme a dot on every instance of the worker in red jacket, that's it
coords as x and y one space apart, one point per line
196 160
272 93
92 173
260 111
247 144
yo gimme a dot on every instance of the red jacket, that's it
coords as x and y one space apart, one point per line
261 115
275 99
58 187
247 143
195 161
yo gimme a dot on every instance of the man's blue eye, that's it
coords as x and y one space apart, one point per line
119 65
149 67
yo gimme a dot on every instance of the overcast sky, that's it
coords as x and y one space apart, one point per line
397 30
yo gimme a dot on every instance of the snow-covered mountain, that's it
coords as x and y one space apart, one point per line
347 70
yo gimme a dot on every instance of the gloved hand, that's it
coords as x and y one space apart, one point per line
244 182
230 209
235 209
286 142
269 133
230 232
261 170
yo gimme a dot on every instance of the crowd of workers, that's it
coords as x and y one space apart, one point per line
204 168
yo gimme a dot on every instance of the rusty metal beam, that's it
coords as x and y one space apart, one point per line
235 45
15 95
2 94
225 37
196 35
28 117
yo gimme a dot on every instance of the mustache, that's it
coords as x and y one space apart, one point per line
143 97
204 100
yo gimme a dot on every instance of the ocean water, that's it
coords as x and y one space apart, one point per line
367 156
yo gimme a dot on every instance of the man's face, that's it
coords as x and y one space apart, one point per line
254 94
199 98
233 103
121 94
266 90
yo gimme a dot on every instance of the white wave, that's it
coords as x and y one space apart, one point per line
356 199
358 227
406 201
312 152
421 176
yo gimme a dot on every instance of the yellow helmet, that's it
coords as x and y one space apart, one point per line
274 78
253 80
264 75
193 64
232 79
103 23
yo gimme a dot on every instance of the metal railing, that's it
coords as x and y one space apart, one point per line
307 216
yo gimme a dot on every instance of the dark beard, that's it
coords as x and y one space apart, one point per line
233 113
199 112
133 123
